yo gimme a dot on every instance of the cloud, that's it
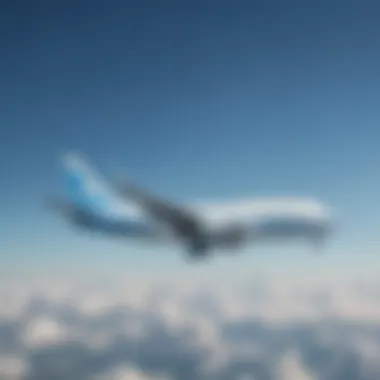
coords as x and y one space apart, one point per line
44 331
274 327
291 367
129 373
13 367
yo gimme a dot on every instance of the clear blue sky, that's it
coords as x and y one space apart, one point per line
195 100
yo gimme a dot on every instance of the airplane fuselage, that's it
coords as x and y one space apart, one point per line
132 212
259 220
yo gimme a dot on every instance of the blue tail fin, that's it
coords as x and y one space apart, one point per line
82 184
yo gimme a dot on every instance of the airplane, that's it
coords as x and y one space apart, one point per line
124 209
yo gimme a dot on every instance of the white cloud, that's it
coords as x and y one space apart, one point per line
226 353
44 331
13 367
130 373
369 351
98 314
94 304
291 367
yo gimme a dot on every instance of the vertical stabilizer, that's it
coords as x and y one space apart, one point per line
83 186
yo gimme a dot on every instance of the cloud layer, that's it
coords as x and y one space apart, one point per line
269 328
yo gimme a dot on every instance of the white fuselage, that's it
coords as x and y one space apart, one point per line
133 212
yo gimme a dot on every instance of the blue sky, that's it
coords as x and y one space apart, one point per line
194 100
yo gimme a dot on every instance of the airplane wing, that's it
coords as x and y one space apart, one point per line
183 222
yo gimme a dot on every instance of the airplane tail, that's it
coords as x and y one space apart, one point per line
83 186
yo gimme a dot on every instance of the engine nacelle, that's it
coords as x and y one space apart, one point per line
230 237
